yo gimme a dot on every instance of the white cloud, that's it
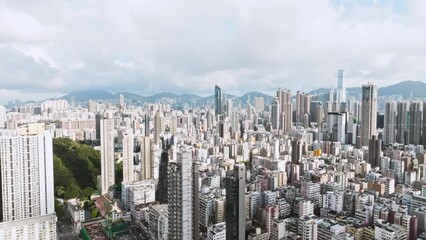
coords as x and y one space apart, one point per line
188 45
124 64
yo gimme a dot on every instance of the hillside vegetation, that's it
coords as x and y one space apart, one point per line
76 167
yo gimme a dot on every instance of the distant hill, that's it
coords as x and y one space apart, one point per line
251 95
191 99
405 89
132 96
82 96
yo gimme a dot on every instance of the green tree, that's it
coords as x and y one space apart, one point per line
87 192
76 167
59 209
118 172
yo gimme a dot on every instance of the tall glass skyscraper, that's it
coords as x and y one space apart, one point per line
341 85
218 100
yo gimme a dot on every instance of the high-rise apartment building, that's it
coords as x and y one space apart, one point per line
424 125
275 114
336 126
146 158
259 104
390 122
107 154
285 119
158 221
402 121
158 126
303 101
161 193
296 151
147 129
235 185
3 117
196 201
374 150
27 192
180 204
129 173
218 100
416 122
369 113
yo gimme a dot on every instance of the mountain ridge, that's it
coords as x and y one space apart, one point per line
408 88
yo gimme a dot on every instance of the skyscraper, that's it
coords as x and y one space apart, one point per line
107 154
275 114
336 124
416 115
341 85
27 192
180 205
424 125
218 100
147 158
390 122
161 193
296 151
122 102
402 121
284 99
158 126
374 150
235 185
369 113
3 117
196 201
146 123
128 161
303 101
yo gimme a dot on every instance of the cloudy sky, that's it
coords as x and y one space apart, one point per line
49 48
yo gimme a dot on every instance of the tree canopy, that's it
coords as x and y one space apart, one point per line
76 167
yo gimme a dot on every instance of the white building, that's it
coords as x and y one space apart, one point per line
333 201
306 208
137 193
54 105
34 228
129 173
107 154
27 186
76 212
278 229
158 222
3 116
217 231
387 231
308 228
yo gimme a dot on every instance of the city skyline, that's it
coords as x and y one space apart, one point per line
51 49
213 120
